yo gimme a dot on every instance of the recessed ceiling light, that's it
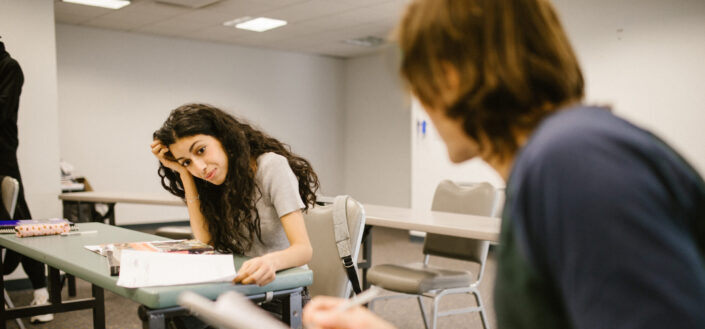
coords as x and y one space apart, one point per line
112 4
259 24
368 41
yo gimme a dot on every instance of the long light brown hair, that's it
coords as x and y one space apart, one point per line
514 61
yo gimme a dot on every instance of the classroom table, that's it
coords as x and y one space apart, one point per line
437 222
111 198
67 253
444 223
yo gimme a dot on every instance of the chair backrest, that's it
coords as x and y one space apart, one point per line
476 199
329 276
10 192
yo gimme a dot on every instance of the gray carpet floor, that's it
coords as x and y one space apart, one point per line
390 246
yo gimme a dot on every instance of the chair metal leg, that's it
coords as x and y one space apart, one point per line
483 316
434 311
423 312
9 303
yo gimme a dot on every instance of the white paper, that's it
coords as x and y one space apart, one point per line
231 311
149 269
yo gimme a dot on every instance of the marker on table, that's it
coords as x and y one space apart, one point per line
78 233
360 299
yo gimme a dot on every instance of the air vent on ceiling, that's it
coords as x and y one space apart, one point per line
194 4
368 41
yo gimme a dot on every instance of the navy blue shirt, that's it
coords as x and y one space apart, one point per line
603 227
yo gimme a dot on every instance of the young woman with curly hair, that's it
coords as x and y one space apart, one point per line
245 190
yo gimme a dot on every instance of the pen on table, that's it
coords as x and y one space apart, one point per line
360 299
78 233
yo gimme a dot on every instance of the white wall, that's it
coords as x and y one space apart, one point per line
647 59
27 29
116 88
377 150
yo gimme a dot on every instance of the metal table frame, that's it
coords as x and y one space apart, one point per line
56 304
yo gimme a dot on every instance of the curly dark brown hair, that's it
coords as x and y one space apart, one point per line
514 61
229 208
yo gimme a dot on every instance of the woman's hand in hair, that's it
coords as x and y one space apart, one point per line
258 270
162 153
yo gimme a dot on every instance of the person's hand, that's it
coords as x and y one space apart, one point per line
322 312
159 150
258 270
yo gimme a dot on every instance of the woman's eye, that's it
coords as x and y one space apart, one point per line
186 163
201 150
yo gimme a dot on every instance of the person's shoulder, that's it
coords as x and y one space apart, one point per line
573 133
9 65
270 161
270 158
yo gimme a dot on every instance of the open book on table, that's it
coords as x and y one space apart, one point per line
114 252
173 246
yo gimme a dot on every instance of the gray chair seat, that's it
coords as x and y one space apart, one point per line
417 278
175 232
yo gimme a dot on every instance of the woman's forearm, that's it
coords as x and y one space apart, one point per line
196 219
295 255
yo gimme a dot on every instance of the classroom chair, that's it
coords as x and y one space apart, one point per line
10 192
332 273
426 280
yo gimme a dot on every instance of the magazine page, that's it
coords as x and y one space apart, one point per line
150 269
172 246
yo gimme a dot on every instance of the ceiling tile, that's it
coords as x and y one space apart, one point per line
172 26
308 10
80 10
285 32
218 32
70 19
315 26
207 17
154 9
123 21
239 8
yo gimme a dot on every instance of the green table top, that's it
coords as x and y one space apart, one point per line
67 253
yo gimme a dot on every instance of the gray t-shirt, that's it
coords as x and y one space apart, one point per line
280 196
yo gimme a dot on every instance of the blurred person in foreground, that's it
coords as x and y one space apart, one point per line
604 223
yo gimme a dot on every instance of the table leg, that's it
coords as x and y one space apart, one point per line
291 313
151 319
99 307
2 286
72 284
156 318
111 214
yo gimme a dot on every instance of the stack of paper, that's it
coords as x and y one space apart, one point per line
149 269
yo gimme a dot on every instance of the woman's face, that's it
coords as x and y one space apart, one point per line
203 156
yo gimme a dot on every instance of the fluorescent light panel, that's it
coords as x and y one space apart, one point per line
259 24
112 4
